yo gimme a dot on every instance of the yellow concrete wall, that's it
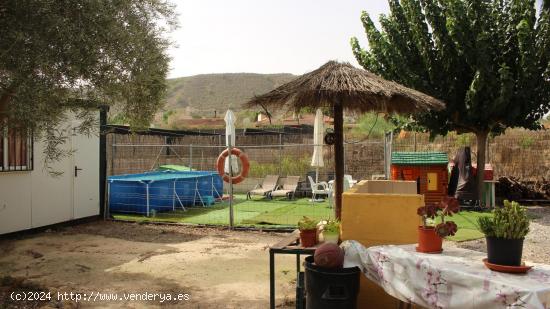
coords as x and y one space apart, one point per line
386 186
379 219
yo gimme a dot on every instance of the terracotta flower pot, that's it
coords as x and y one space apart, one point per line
308 238
428 240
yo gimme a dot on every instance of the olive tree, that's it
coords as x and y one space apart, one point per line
57 56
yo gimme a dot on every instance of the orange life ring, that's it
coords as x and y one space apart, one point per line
245 165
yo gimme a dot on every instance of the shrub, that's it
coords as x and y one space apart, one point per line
307 223
373 125
332 227
167 115
526 142
289 166
463 140
509 222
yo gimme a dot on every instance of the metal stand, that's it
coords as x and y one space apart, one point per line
197 193
147 195
288 245
230 159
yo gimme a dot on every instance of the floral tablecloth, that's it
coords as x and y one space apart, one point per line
457 278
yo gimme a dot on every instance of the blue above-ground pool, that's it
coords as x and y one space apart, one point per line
159 191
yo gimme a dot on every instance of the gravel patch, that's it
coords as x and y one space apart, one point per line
536 247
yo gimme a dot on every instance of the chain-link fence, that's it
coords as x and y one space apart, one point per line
520 153
153 197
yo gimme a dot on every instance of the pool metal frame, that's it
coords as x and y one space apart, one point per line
175 195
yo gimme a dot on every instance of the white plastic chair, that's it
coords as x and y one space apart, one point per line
348 183
319 188
350 180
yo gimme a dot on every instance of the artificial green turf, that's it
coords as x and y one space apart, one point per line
291 212
281 213
466 222
255 212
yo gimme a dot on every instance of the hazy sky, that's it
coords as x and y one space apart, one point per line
261 36
290 36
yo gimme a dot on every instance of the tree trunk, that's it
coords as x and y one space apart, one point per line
338 158
4 100
481 146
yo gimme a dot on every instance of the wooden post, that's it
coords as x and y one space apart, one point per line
338 158
103 195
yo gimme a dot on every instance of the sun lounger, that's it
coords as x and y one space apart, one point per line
264 189
288 188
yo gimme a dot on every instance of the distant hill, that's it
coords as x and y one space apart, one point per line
201 95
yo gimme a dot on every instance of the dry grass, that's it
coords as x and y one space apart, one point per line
341 83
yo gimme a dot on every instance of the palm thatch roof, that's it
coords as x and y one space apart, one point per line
356 89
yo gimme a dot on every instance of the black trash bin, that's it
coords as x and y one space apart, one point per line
331 288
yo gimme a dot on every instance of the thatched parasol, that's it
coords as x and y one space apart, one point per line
341 85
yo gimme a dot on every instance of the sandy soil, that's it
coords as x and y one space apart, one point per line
216 268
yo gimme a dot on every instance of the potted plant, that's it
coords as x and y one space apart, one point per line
331 231
308 232
430 235
505 232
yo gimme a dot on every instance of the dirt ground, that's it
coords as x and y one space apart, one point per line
216 268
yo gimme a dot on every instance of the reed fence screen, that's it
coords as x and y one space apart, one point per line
522 154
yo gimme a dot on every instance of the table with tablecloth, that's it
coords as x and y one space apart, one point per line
456 278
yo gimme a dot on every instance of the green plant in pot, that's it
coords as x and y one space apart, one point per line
308 232
430 235
505 232
331 231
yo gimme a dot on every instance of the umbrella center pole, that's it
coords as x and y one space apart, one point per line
230 159
338 158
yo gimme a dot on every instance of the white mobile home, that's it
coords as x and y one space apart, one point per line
30 197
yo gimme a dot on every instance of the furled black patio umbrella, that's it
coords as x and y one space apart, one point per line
341 85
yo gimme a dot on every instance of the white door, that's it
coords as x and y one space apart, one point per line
52 196
85 175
